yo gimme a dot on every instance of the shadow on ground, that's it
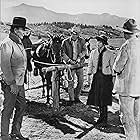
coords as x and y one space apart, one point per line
78 111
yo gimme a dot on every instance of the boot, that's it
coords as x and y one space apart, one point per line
105 114
99 121
103 124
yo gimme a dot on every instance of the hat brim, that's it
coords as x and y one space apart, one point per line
127 31
14 25
101 39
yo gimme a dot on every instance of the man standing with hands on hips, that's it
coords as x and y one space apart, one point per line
13 65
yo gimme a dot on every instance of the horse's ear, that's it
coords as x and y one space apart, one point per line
61 37
50 35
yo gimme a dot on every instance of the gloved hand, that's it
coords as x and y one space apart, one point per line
14 89
78 60
71 62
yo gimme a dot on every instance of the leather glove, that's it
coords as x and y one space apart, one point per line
14 89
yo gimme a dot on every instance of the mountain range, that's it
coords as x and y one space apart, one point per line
36 14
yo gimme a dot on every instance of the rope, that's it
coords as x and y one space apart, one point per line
69 73
69 76
28 49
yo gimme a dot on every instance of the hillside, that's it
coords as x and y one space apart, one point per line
36 14
63 28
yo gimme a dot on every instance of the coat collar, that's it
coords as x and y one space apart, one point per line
102 49
72 39
15 38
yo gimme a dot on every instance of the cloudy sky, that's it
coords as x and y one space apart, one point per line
123 8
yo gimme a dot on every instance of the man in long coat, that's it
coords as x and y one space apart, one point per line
128 78
13 66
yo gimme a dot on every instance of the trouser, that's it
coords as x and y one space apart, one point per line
130 108
74 93
12 101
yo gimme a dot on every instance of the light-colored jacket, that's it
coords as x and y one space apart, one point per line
128 65
107 62
13 60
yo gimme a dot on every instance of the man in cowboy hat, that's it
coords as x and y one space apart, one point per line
100 66
73 51
128 78
13 65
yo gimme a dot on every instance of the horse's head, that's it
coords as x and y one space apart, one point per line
56 43
43 47
57 40
56 46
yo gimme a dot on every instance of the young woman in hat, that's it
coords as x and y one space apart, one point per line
100 65
13 65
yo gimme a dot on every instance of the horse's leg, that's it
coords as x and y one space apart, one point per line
43 82
49 85
48 89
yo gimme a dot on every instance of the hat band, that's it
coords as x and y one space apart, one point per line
18 25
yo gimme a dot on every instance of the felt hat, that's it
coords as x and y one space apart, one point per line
103 39
19 22
129 26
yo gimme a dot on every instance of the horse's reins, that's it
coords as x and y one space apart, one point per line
47 64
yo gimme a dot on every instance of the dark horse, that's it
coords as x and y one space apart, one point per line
48 52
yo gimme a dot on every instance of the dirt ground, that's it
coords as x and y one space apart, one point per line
70 122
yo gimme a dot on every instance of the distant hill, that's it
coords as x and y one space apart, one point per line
36 14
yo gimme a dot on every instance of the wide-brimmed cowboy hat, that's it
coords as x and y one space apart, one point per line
102 38
75 29
129 27
19 22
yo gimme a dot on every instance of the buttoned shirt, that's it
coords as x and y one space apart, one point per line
13 60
